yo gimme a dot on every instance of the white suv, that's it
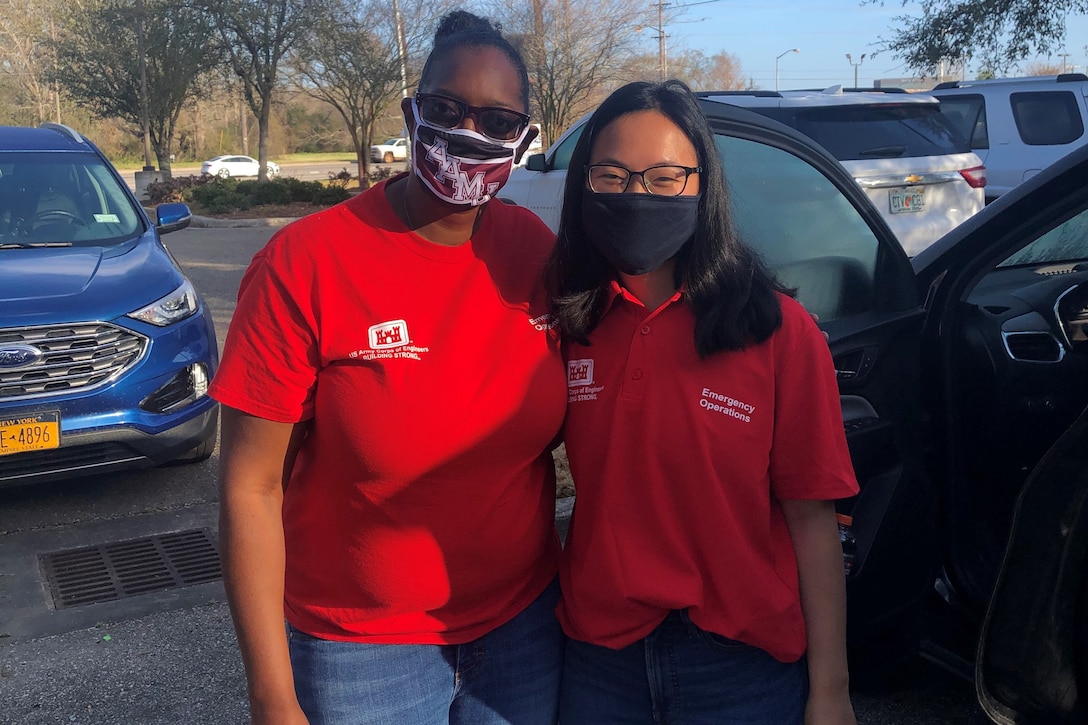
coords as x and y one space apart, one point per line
901 151
1017 126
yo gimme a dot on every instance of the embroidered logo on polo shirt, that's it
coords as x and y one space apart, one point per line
388 341
580 385
714 402
389 334
545 322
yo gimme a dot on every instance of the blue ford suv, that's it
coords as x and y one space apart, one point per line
106 349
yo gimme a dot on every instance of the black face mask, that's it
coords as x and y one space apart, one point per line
637 233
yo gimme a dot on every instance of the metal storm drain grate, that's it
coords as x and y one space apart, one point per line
123 569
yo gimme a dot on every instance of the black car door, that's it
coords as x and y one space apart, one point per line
820 234
1006 349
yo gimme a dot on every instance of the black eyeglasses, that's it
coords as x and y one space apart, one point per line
663 180
500 124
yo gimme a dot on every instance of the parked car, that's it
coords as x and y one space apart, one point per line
1017 126
392 149
917 170
106 349
961 371
226 167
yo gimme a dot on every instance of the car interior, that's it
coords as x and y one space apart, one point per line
44 201
1021 379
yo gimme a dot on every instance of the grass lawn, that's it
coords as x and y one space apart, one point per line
347 157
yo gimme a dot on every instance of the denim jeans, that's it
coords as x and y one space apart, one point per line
680 675
509 676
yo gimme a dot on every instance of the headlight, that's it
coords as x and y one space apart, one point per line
174 307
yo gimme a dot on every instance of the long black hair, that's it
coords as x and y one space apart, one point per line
727 285
462 29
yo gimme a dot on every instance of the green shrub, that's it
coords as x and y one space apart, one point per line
331 195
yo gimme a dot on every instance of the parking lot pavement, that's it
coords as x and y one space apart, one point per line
180 667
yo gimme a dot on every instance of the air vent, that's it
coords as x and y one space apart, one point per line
1041 347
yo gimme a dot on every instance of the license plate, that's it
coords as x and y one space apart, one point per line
31 432
906 200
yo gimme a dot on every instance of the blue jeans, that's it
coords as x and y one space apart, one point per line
509 676
680 675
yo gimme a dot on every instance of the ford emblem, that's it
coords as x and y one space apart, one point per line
18 356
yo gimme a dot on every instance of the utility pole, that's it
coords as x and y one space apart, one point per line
662 65
398 27
856 66
145 122
1064 56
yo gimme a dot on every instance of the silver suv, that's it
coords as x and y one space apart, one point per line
1017 126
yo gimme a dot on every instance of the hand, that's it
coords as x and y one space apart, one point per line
829 710
288 714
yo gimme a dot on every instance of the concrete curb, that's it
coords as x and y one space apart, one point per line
204 222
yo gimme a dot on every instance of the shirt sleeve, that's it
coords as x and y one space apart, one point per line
809 455
271 358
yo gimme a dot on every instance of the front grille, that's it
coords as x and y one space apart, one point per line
84 458
75 357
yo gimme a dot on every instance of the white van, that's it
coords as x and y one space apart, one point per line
1017 126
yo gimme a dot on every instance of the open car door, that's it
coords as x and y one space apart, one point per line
1005 360
1031 656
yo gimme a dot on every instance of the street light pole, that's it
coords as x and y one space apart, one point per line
856 66
785 52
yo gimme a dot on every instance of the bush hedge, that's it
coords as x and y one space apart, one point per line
212 195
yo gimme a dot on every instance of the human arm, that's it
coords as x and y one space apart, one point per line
255 460
812 527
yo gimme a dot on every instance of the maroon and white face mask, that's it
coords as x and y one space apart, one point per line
460 166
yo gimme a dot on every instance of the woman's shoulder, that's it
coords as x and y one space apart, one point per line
796 320
513 220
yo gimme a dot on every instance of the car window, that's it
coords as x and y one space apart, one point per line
1067 242
1047 118
561 158
66 198
803 225
967 114
881 131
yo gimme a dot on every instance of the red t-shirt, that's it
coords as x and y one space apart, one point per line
421 506
680 465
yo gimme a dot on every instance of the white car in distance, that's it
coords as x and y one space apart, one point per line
226 167
392 149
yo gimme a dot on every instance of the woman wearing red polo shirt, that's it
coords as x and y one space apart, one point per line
391 384
702 577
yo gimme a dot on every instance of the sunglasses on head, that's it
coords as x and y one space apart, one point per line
500 124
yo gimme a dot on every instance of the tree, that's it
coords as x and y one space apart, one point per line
352 62
999 33
257 35
573 51
100 70
719 72
26 58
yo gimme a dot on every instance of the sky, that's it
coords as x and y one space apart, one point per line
823 30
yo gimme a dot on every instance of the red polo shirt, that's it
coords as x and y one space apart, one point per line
421 507
680 465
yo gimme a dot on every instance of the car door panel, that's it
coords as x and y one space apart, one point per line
1034 635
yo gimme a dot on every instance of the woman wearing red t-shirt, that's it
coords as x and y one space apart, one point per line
702 577
391 384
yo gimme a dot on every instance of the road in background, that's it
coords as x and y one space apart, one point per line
305 171
170 657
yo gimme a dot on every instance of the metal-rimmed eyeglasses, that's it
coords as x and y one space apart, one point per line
664 180
500 124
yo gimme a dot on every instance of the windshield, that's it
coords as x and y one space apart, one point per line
69 199
1067 242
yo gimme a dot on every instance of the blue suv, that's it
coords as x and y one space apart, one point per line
106 349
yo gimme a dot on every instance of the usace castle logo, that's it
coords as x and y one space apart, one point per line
579 373
389 334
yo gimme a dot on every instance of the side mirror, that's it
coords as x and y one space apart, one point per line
535 162
172 217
